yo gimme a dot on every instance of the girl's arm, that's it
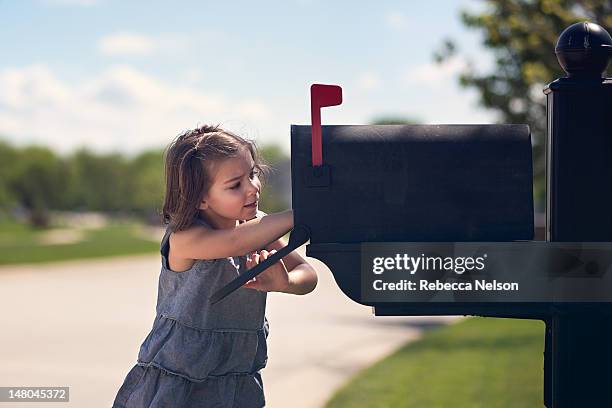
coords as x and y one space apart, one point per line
291 275
201 242
302 276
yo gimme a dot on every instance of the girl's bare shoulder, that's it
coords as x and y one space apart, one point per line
176 240
203 242
182 238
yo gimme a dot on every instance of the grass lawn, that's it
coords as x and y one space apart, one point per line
478 362
21 244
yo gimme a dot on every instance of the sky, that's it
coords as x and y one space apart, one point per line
126 76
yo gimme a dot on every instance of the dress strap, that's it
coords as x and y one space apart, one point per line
163 247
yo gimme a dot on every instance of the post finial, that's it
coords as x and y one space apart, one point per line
584 50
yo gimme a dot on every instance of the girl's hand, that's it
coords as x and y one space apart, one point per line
273 279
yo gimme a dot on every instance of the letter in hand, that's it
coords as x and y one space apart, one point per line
273 279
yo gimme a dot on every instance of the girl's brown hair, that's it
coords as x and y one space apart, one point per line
189 160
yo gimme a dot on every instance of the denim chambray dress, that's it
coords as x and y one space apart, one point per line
197 354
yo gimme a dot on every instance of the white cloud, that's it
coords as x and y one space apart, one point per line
368 81
436 74
135 44
121 109
193 75
396 20
127 44
31 85
253 109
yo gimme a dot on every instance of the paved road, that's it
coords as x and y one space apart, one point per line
80 324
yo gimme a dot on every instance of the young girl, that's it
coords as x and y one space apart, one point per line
198 354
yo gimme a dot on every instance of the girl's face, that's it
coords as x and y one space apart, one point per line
235 185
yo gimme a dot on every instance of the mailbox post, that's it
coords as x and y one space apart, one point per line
578 357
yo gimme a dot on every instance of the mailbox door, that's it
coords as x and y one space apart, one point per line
414 183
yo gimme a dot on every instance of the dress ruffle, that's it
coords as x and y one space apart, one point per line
200 354
151 387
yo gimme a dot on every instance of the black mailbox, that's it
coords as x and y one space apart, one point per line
414 183
401 183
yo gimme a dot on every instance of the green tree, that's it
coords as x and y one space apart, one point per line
99 182
8 156
522 35
146 177
36 181
272 153
272 198
394 120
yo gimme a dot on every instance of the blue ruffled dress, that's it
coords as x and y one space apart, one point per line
197 354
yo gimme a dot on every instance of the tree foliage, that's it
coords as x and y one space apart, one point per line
36 180
394 120
522 34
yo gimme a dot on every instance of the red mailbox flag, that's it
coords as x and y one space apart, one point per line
321 96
